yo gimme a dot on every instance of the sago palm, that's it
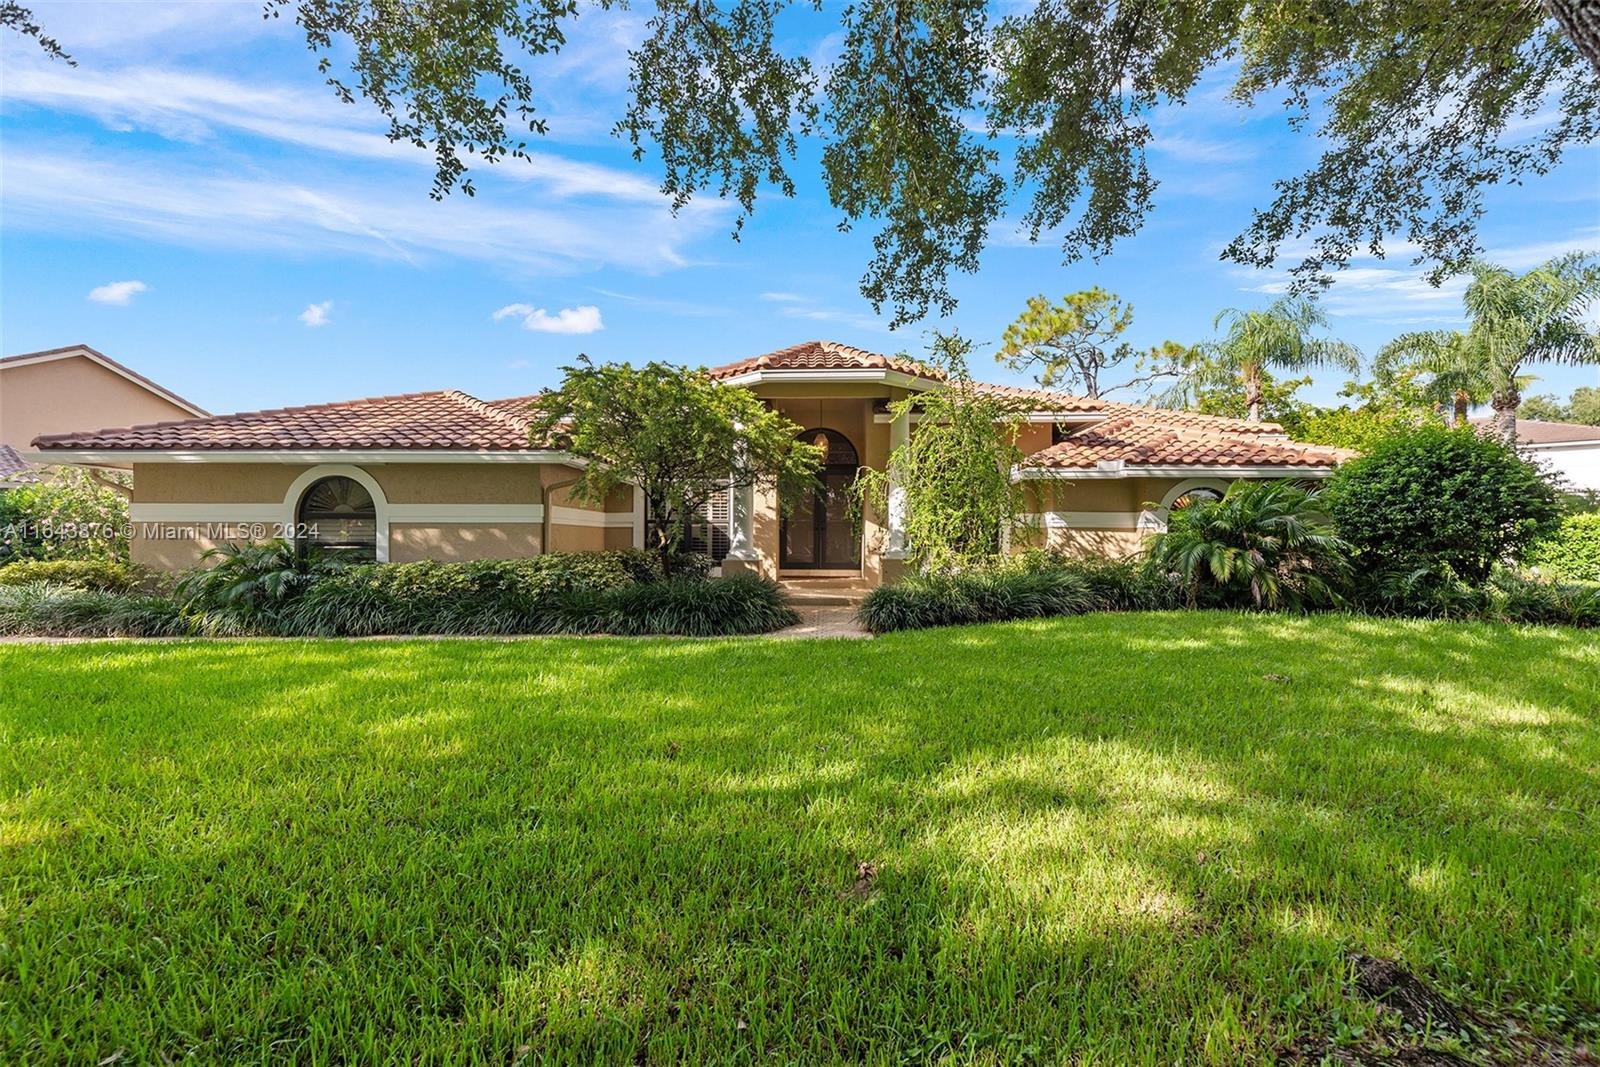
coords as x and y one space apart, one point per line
1268 543
1537 317
1281 337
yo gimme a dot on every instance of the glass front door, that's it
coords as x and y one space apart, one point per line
819 532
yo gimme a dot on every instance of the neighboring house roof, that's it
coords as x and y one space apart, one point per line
1539 432
824 356
14 470
446 419
1121 434
1147 442
49 354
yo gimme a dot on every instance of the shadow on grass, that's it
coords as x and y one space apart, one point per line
1137 838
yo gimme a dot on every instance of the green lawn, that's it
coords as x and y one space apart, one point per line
1106 839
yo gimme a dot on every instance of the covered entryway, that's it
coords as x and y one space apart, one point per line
820 533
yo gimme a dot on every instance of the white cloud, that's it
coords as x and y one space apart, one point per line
295 209
1395 292
317 314
783 298
117 292
192 107
584 318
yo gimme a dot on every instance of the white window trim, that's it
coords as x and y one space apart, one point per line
380 502
1154 520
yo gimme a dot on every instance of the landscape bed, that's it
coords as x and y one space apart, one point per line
1112 838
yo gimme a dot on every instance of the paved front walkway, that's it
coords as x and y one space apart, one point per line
836 621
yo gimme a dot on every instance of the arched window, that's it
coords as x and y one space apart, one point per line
1195 496
337 513
837 451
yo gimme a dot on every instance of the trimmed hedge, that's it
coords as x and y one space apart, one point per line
580 593
1572 553
1037 585
105 575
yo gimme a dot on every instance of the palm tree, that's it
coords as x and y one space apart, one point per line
1457 377
1279 336
1534 318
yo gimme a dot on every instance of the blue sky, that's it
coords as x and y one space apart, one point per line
193 202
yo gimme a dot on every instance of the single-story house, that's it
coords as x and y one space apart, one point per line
443 475
1569 450
69 388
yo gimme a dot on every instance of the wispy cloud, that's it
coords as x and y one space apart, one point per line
585 318
117 292
783 298
686 308
216 205
1393 292
194 107
317 314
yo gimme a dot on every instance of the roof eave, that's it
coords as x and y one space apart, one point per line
1118 469
121 457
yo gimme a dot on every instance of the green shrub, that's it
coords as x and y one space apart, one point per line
1432 498
479 597
66 515
104 575
1572 553
1419 592
1518 599
249 583
987 594
1265 544
42 610
688 607
1115 584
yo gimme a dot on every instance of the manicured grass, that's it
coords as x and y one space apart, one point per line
1105 839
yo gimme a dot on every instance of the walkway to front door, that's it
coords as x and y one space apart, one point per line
820 534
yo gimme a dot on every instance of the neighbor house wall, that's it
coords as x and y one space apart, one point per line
73 393
444 511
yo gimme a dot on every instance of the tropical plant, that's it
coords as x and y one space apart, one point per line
676 434
1437 499
1268 544
991 593
245 581
1079 339
1537 317
953 476
1453 377
1280 336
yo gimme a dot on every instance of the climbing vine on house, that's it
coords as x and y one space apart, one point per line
960 503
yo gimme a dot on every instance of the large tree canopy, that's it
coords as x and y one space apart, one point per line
938 120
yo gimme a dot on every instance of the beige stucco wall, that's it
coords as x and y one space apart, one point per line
1102 513
73 393
178 543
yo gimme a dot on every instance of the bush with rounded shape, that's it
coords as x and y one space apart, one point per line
1572 552
103 575
1435 496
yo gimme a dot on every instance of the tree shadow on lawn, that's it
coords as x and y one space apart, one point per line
1105 837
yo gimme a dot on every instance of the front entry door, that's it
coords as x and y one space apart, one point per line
819 533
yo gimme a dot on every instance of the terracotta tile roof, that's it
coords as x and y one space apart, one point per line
1145 442
824 355
1042 399
1049 400
515 405
1540 432
446 419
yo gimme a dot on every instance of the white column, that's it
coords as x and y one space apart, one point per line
741 508
894 545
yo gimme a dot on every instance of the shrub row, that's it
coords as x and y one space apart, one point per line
1034 586
1572 553
264 590
104 575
